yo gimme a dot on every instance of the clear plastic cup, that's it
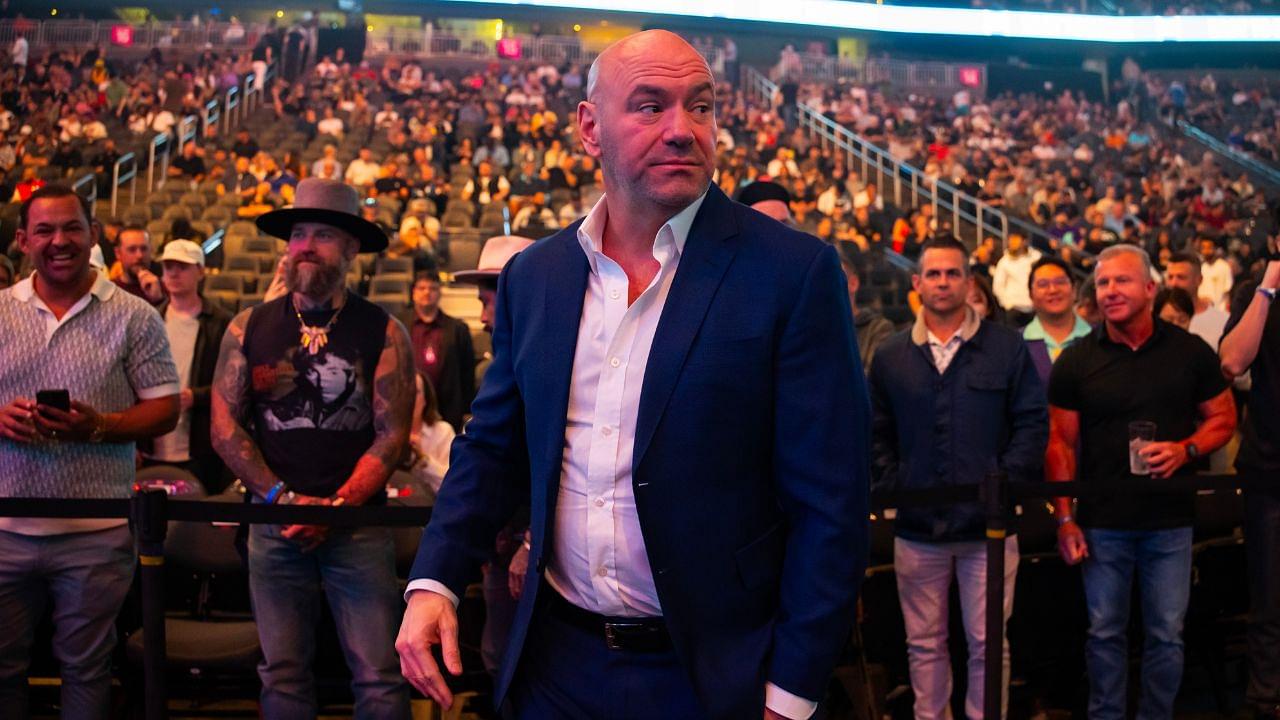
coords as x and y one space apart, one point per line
1141 434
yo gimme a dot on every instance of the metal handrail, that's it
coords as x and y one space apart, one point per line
90 181
118 178
231 103
212 115
1251 164
159 144
942 196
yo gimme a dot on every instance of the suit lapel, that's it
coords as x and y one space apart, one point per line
564 291
706 257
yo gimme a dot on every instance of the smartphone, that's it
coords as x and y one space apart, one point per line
59 399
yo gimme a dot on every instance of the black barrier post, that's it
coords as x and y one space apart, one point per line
149 512
995 499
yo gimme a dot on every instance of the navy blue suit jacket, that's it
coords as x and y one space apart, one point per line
751 452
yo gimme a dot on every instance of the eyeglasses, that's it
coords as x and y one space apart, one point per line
1047 283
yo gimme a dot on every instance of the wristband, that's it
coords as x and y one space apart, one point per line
274 493
1064 519
1268 293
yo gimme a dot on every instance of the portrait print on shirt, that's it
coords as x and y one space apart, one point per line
325 391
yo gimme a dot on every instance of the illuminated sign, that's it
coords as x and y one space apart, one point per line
845 15
122 35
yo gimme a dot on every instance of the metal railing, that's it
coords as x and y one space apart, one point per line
231 107
158 149
120 176
87 187
910 186
918 76
116 33
1249 163
427 42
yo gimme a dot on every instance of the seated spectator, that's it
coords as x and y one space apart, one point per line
330 124
327 165
362 171
189 165
534 217
244 146
486 187
528 181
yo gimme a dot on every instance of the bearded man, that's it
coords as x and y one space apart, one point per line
325 380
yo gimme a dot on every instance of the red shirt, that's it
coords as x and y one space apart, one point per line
428 348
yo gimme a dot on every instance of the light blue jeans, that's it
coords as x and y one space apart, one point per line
1161 561
355 567
85 576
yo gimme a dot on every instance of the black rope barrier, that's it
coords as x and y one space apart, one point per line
150 511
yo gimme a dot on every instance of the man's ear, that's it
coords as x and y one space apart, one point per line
589 127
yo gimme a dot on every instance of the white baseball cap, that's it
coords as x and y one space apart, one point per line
183 251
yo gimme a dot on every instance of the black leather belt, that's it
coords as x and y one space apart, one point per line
647 634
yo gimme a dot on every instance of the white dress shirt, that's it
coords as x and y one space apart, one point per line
597 560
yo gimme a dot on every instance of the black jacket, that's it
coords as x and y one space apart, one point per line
457 387
204 360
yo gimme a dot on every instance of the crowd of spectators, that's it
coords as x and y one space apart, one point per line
437 155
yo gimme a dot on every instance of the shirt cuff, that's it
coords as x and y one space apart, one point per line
792 707
432 585
159 391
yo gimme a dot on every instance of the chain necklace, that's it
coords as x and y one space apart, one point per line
315 337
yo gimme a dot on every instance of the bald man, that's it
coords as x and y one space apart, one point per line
676 394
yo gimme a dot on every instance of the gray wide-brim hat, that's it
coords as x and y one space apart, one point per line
325 201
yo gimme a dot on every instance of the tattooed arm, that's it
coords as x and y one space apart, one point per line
393 395
229 409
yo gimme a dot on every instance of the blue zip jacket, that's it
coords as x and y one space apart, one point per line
986 412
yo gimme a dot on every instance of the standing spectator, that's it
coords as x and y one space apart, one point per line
953 399
1252 344
18 53
1216 272
431 438
7 274
66 327
135 271
1010 282
325 380
1209 321
870 327
195 327
1132 368
1056 323
442 349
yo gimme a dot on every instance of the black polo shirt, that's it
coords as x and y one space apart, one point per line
1109 385
1260 436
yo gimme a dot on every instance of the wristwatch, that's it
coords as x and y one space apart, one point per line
1193 452
1268 293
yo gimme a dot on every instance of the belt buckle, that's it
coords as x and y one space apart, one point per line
612 638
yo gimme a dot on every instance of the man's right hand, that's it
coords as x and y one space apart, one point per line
18 421
429 620
1071 544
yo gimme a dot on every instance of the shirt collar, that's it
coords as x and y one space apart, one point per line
674 231
25 290
1035 331
920 334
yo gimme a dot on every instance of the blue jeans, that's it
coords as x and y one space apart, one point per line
1161 560
85 576
355 567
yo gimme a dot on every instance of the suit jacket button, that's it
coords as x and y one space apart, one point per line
541 565
660 572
